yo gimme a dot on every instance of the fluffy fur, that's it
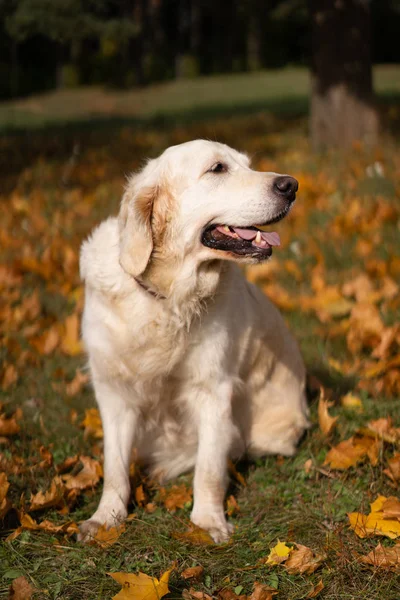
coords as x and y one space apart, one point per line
190 363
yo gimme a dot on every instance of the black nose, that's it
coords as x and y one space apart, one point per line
286 186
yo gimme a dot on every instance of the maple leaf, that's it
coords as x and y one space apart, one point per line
278 554
142 586
87 477
71 343
92 424
176 497
393 469
107 536
350 452
383 558
303 560
20 589
53 497
378 522
5 503
195 535
326 422
262 591
193 573
316 589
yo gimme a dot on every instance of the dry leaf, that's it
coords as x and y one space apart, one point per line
140 495
352 402
350 452
193 573
383 558
74 387
10 376
92 424
262 591
278 554
141 587
235 473
303 560
71 343
88 476
393 470
47 342
176 497
326 422
10 426
53 497
378 522
195 535
107 536
192 594
5 503
316 590
232 507
70 528
20 589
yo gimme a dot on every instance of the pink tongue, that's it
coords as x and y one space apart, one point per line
271 237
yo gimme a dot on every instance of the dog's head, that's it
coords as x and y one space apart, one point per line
198 202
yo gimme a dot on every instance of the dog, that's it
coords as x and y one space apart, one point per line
191 364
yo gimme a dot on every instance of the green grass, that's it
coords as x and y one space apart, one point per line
280 500
285 92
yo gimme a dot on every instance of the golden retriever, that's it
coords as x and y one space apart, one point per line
190 363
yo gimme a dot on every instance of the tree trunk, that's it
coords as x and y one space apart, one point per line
342 108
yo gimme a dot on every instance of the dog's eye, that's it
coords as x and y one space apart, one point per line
218 168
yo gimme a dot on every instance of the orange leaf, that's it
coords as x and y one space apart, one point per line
106 537
393 470
193 573
10 376
350 452
316 590
195 535
303 560
326 422
47 342
53 497
10 426
92 423
71 343
88 476
176 497
20 589
262 591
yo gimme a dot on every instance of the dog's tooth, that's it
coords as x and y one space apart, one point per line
258 237
227 228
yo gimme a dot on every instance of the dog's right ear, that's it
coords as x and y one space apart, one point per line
136 236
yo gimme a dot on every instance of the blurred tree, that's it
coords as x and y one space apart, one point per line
342 106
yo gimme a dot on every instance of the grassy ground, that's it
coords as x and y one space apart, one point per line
285 91
49 207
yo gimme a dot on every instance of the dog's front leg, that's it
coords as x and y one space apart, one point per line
119 424
216 432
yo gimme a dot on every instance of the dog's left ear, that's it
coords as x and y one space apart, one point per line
136 236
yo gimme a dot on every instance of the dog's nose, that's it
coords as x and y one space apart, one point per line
286 186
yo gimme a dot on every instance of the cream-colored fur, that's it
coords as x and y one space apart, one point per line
192 365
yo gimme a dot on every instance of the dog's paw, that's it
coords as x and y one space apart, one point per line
88 530
216 525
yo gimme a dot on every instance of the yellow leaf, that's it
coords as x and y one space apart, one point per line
106 537
92 424
195 535
71 343
142 586
326 422
279 553
350 452
352 402
378 522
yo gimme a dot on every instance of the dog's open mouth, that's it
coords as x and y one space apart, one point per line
244 241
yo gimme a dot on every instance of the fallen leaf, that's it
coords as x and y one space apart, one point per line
383 558
393 469
262 591
5 503
391 508
107 536
278 554
193 573
235 473
232 507
141 587
140 495
176 497
352 402
75 386
378 522
326 421
71 343
53 497
192 594
48 341
316 589
27 522
10 376
87 477
303 560
350 452
92 424
10 426
195 535
20 589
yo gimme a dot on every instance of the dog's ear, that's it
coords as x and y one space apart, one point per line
136 236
